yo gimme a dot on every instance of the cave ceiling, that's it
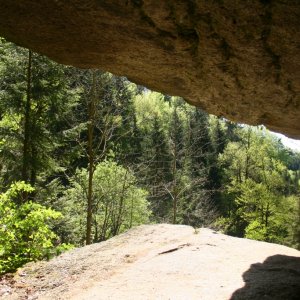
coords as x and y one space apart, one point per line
236 59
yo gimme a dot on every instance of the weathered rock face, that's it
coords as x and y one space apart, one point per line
163 262
237 59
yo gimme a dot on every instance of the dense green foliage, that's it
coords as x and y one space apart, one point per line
118 204
102 155
261 195
25 230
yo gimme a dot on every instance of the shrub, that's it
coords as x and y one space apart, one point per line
118 203
25 232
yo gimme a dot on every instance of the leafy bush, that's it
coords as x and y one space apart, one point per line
256 231
25 232
118 204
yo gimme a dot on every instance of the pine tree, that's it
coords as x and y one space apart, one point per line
156 169
34 96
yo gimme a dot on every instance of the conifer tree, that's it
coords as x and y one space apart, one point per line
34 96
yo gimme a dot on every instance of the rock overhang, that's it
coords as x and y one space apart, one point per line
237 59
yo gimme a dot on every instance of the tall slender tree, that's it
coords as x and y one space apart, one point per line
34 95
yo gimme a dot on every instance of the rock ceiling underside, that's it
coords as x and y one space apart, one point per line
237 59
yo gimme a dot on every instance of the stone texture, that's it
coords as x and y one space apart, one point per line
163 262
234 58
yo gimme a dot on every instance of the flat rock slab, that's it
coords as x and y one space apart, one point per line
165 262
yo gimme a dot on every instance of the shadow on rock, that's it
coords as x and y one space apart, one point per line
278 277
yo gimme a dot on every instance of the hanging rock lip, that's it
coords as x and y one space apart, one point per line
231 59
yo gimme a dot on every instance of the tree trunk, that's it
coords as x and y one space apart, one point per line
91 125
175 185
247 154
267 222
121 207
131 213
26 141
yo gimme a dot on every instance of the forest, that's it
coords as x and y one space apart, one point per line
86 155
